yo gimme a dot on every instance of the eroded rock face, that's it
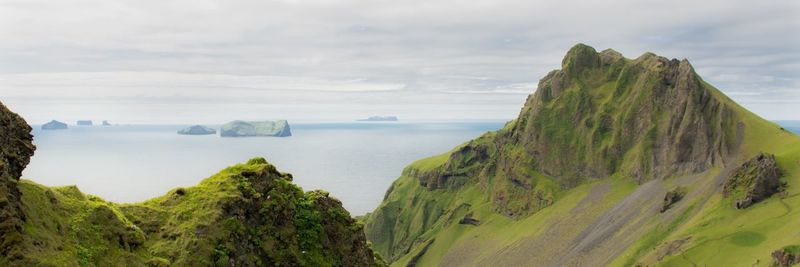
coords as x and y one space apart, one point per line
16 148
754 181
650 117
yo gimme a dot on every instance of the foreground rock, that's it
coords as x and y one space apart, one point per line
256 128
16 148
380 118
754 181
54 125
197 130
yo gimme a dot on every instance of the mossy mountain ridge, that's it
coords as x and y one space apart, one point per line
581 176
246 215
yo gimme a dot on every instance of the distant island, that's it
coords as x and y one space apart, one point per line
256 128
380 118
84 123
54 125
197 130
105 123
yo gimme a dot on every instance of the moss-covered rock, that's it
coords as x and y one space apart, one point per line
754 181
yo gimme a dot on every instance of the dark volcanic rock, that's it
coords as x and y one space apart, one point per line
672 197
54 125
756 180
197 130
16 148
468 219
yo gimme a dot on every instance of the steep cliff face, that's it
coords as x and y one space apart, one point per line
583 174
650 117
16 148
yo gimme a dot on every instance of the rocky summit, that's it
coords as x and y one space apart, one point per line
611 161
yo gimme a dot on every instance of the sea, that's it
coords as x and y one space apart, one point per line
355 161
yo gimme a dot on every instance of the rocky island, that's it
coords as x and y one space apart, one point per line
380 118
197 130
278 128
54 125
84 123
105 123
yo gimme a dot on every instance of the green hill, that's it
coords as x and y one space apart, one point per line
246 215
612 161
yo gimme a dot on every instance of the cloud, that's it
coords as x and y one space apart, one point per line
368 51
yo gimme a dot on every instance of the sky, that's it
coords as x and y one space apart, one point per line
210 61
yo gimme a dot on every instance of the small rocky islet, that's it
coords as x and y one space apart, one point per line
197 130
54 125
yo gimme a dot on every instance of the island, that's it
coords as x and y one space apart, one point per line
54 125
105 123
380 118
197 130
84 123
237 128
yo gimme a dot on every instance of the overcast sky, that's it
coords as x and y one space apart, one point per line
209 61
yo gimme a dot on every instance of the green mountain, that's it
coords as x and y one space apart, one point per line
246 215
612 161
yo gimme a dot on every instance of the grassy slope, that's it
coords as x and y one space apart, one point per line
205 225
720 235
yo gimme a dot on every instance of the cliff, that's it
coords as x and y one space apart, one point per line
612 161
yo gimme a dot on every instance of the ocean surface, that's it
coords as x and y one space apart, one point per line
356 162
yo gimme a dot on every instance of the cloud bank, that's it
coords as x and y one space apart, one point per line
208 60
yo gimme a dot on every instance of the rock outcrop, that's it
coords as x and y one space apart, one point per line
256 128
54 125
197 130
672 197
754 181
787 256
16 148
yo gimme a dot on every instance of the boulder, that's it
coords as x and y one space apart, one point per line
754 181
